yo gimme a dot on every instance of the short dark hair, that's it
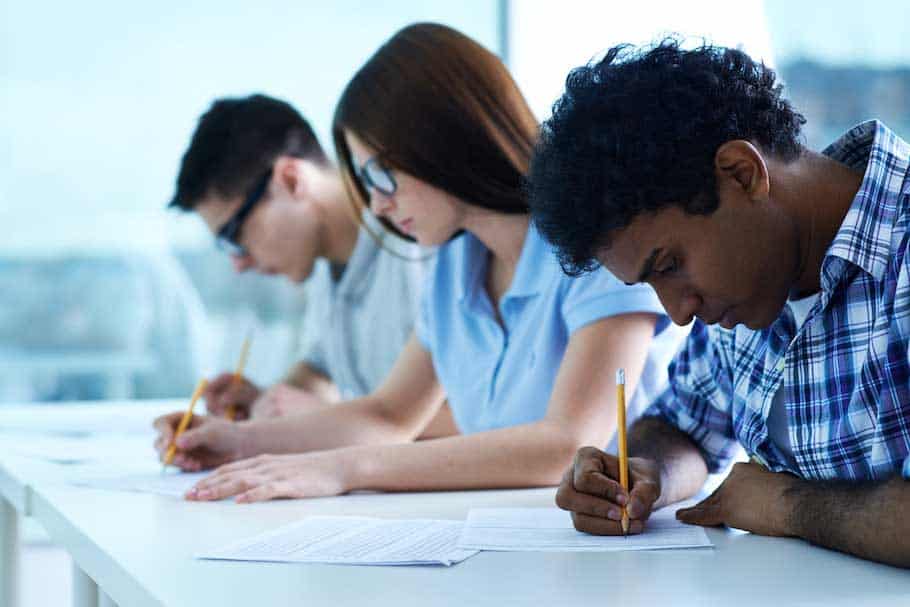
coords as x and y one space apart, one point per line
236 143
638 131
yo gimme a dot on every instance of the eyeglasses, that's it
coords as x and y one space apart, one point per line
373 175
228 237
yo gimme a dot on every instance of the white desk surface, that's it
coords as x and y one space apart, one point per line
71 422
139 548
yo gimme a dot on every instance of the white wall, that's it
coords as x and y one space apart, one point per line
547 39
98 99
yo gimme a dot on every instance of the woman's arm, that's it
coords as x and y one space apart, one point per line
396 412
582 411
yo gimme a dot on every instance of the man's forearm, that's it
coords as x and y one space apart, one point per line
869 520
682 467
305 377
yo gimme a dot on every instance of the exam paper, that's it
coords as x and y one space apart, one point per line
92 448
352 540
551 530
174 484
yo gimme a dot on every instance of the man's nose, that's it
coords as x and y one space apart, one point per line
679 304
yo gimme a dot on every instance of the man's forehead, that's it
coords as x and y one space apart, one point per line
215 210
627 250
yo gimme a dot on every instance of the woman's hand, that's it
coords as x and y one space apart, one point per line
208 442
266 477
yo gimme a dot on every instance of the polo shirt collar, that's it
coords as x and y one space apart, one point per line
530 275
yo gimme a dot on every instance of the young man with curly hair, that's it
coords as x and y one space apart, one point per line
684 169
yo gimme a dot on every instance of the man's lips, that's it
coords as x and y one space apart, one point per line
724 319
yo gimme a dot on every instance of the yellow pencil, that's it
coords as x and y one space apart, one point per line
184 423
238 373
623 453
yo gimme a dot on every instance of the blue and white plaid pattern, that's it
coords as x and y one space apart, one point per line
846 373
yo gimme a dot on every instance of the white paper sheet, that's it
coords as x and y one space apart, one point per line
174 484
551 530
352 540
114 448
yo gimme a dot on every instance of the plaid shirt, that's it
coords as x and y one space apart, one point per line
845 373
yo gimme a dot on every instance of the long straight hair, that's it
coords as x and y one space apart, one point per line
437 105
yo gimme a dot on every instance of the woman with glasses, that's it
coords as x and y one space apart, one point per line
435 138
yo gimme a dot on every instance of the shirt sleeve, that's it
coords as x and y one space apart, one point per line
315 319
599 294
424 307
698 398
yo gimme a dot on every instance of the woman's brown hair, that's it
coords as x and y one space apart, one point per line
437 105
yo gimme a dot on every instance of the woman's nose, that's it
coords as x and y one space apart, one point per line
380 204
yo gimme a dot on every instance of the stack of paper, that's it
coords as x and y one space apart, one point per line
551 529
353 540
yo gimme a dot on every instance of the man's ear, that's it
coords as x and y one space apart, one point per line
740 164
287 173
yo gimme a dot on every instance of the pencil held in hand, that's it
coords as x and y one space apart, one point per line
623 452
184 423
238 373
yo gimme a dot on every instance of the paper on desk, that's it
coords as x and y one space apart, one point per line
93 448
352 540
551 530
174 484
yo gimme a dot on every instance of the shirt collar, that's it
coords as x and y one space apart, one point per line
530 274
864 237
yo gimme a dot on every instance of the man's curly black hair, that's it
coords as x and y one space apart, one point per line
638 131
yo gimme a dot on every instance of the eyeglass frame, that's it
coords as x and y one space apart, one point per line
227 237
368 181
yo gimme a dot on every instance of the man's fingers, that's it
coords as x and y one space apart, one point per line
601 526
706 516
707 513
642 497
595 473
568 498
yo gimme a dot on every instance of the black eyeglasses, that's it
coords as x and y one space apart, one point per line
373 175
228 237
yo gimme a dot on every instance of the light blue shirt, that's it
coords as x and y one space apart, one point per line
497 376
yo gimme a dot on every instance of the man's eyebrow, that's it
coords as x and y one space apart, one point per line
647 268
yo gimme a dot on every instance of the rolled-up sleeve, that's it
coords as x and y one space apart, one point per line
698 398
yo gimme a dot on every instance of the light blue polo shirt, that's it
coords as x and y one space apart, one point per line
497 376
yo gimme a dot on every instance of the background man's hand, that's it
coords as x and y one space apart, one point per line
282 399
590 489
223 391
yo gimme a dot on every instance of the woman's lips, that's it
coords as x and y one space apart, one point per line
406 225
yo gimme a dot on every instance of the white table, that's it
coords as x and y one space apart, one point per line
139 550
68 421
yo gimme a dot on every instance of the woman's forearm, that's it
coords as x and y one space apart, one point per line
530 455
356 422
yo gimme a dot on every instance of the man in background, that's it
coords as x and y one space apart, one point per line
256 174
